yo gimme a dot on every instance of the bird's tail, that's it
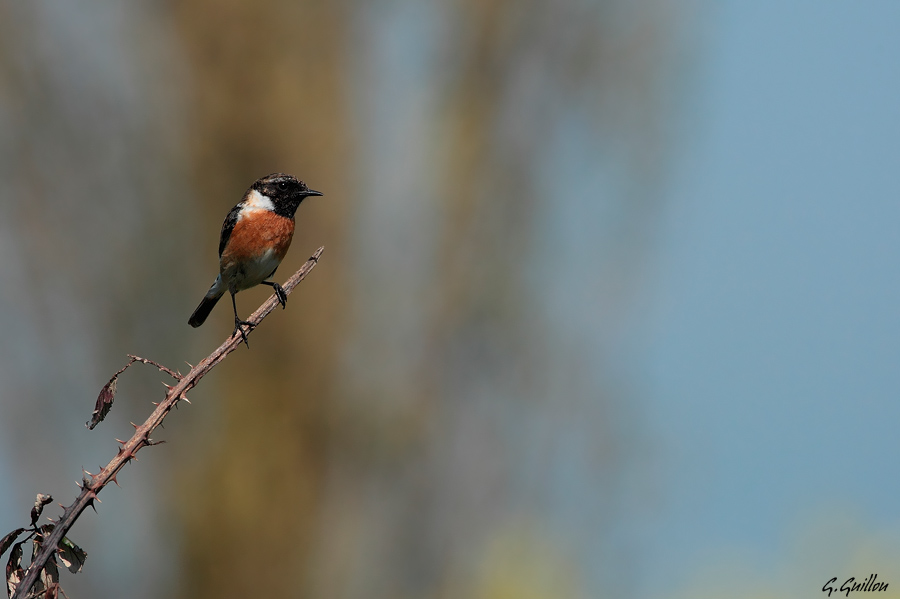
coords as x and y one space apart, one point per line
206 305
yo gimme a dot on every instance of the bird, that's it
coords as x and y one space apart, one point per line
255 237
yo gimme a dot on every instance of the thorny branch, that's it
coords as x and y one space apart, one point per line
92 484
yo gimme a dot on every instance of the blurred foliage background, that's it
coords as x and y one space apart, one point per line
435 415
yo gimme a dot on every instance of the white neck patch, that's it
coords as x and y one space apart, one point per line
258 201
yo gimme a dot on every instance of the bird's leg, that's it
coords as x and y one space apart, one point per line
238 323
279 292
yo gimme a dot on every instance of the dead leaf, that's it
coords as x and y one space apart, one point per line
14 572
71 555
9 539
39 504
104 403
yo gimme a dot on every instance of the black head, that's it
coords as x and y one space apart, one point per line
285 192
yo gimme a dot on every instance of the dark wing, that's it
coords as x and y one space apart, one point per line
228 227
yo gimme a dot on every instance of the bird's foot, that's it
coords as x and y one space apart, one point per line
239 327
280 294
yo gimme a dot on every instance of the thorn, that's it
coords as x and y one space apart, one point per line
134 425
114 478
185 399
189 364
120 441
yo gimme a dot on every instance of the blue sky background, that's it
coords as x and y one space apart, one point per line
771 347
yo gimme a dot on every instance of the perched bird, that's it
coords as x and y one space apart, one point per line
255 237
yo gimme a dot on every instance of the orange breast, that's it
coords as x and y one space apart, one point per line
255 233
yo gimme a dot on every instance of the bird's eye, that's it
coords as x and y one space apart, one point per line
282 185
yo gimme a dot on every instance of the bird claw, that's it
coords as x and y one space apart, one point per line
239 327
281 295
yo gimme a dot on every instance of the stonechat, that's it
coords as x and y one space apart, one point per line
255 237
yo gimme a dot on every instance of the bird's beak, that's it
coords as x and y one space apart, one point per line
313 192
